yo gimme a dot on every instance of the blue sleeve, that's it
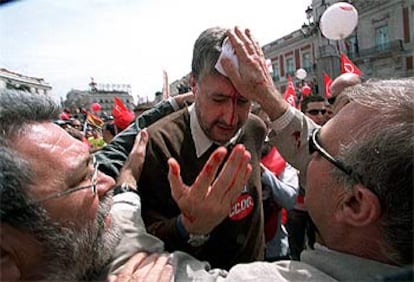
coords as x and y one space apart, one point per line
283 194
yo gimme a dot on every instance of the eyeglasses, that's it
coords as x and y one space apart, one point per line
315 112
92 186
315 146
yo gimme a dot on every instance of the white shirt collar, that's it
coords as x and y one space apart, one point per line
201 141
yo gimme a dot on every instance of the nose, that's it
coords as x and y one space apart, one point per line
320 115
105 183
229 114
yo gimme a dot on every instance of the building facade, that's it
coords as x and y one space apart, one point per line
14 80
103 94
381 46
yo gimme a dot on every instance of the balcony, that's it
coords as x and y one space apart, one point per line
328 50
383 50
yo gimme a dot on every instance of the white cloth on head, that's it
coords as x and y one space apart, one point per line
227 51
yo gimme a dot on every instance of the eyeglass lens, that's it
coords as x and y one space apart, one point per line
315 112
94 178
315 146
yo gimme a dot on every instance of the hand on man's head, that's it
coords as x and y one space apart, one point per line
252 78
252 75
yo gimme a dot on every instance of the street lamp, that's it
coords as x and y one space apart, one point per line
301 74
309 12
305 90
310 28
325 23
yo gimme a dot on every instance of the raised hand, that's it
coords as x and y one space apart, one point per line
131 171
145 267
207 202
252 79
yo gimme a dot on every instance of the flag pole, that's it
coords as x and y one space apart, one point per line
165 88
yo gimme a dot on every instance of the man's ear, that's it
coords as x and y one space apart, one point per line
359 207
193 84
9 269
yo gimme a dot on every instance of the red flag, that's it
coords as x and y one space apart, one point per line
348 66
290 93
119 107
274 161
327 81
122 116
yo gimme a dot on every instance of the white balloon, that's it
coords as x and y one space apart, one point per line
338 21
300 74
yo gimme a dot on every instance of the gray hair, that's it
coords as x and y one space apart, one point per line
17 109
206 52
382 153
86 250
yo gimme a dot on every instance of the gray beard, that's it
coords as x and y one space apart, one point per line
78 255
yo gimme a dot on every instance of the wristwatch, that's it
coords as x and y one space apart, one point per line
195 240
124 188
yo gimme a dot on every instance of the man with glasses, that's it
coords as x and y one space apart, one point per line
357 168
358 174
314 108
301 230
56 222
59 220
75 123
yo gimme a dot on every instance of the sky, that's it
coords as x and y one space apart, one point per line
68 42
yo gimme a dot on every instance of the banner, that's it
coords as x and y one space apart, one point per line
327 81
290 93
94 120
119 107
122 115
348 66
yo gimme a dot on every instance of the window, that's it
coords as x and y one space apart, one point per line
276 71
307 62
351 44
382 37
290 66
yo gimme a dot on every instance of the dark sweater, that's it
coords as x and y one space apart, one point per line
232 241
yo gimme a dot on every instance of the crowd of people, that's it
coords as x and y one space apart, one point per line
97 128
204 186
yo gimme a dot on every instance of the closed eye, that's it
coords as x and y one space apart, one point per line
220 99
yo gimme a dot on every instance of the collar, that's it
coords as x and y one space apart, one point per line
201 141
338 264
